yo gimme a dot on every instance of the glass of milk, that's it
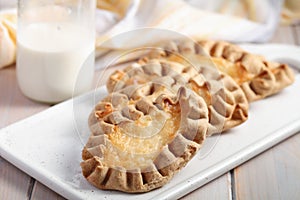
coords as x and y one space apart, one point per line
56 40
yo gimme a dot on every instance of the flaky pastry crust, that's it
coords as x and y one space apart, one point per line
142 135
257 77
228 106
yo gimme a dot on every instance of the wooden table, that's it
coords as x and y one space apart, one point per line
274 174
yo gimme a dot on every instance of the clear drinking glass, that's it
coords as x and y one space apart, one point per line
56 43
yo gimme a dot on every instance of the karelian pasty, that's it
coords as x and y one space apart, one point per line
142 135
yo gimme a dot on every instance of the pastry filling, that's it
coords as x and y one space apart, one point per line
201 91
235 70
136 144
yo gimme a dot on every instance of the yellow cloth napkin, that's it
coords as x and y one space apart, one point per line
7 37
290 12
218 19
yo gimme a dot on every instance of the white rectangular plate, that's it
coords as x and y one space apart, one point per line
48 147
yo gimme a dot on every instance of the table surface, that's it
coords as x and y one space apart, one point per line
273 174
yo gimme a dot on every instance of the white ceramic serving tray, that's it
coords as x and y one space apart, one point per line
48 147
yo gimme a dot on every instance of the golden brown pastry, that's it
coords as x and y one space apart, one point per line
142 135
159 111
227 104
257 77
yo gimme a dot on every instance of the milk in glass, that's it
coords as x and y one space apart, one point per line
55 57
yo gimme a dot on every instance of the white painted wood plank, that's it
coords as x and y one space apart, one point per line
274 174
219 188
256 179
287 167
41 192
14 184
